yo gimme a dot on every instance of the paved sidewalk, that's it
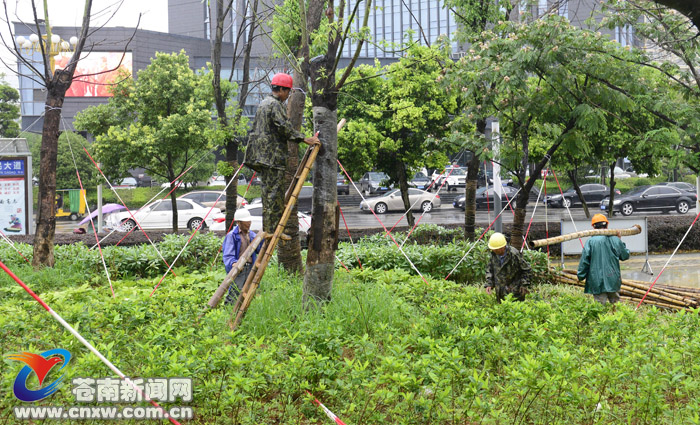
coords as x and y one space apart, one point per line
683 270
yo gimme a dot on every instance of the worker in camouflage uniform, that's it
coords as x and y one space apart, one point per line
267 148
507 272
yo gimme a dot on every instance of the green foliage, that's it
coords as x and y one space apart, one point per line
561 91
133 262
9 109
160 121
387 349
396 113
66 177
434 257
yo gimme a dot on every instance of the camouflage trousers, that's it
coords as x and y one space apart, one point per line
519 291
273 190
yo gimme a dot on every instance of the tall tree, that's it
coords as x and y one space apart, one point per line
56 83
160 121
321 71
474 18
407 110
672 51
287 35
553 91
231 121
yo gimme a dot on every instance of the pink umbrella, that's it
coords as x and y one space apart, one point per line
106 209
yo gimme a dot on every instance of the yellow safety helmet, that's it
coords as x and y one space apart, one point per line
497 241
598 218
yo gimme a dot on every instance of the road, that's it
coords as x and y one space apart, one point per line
446 214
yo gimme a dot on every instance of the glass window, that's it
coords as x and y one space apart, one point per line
212 197
652 191
541 7
255 211
667 191
164 206
193 197
183 205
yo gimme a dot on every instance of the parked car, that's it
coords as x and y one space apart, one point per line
374 182
159 215
216 180
453 180
208 198
683 186
420 181
255 211
592 193
392 201
460 201
343 185
485 199
651 198
305 198
126 183
457 178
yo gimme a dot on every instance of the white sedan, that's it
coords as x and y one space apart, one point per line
159 215
255 211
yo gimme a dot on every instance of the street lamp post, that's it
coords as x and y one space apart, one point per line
55 43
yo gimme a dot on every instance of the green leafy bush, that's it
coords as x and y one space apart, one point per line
387 349
437 261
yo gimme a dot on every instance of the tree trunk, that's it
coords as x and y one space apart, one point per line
612 190
289 252
577 188
403 186
46 211
470 189
517 235
323 235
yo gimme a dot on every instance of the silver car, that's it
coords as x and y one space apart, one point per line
392 201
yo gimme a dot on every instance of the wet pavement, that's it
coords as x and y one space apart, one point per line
683 270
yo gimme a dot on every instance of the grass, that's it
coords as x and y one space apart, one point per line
387 349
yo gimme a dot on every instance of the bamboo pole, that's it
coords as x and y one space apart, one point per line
235 271
636 229
676 298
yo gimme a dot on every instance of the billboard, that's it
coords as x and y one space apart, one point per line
95 72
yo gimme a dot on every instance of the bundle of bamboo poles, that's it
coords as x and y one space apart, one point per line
636 229
666 296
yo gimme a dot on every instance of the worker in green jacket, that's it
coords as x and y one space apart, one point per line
600 263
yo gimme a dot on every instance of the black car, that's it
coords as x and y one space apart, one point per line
460 200
420 181
373 182
683 186
343 185
484 200
592 193
652 198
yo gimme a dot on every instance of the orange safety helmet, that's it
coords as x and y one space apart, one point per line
282 80
598 218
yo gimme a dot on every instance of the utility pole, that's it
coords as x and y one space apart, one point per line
497 186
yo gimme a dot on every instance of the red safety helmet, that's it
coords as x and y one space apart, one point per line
282 80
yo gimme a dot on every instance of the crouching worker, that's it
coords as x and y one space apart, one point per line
600 263
507 272
235 244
